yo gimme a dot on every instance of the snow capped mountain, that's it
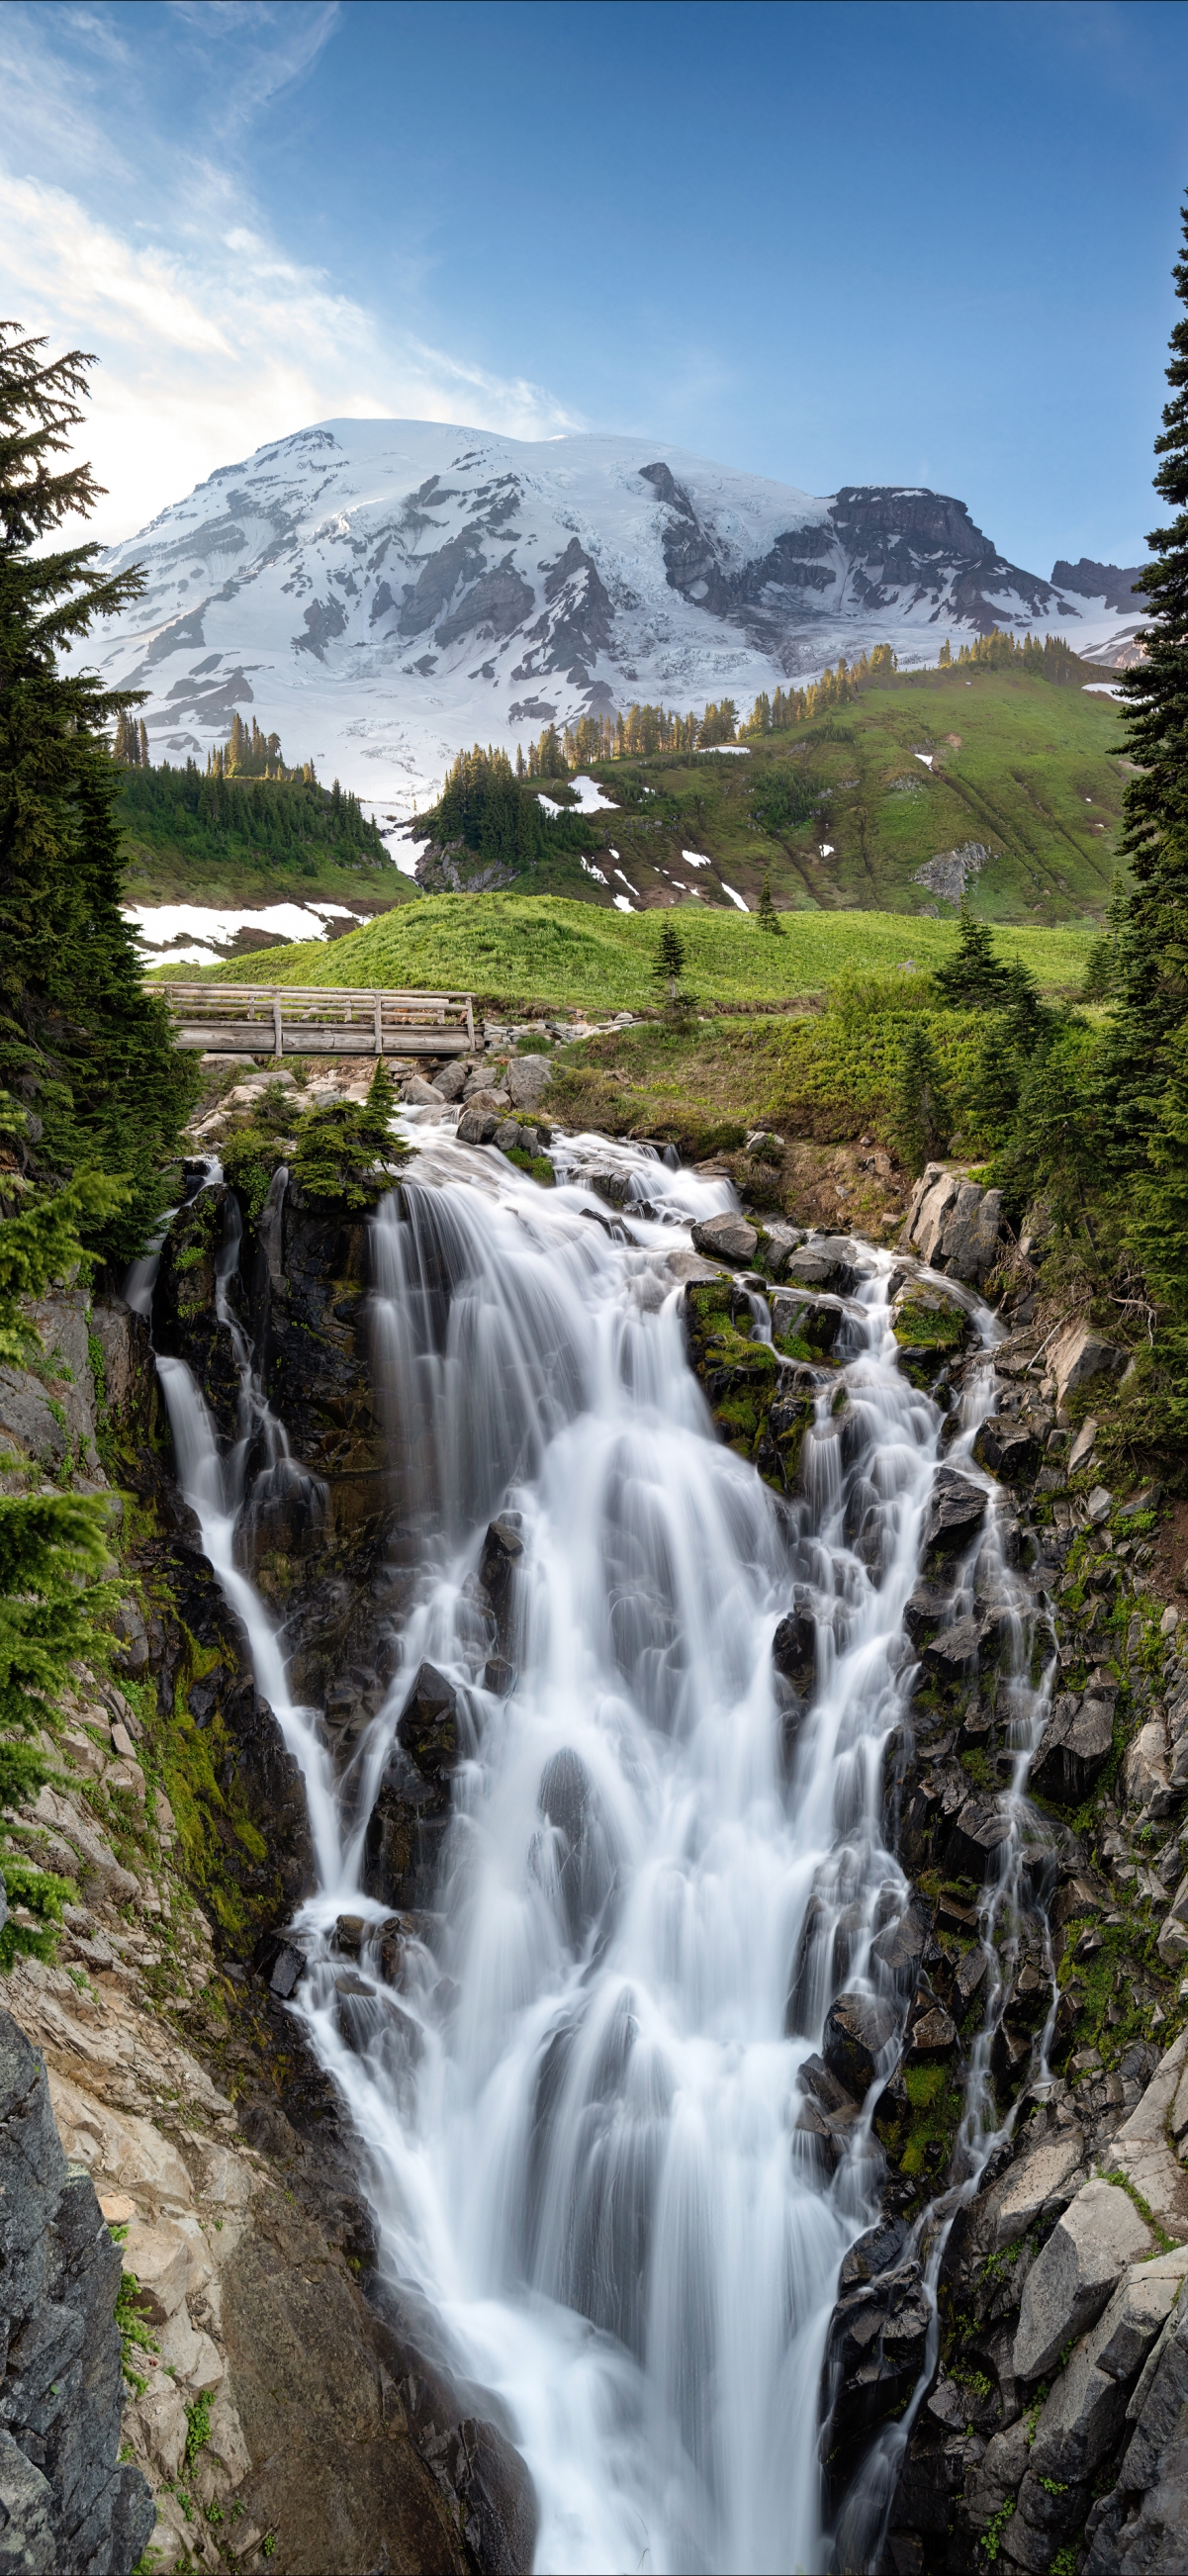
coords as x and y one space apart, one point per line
381 592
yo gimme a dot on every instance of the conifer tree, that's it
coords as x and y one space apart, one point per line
144 744
973 979
768 917
669 961
1153 961
81 1041
922 1116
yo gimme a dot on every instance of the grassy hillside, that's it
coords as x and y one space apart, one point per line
247 842
515 950
842 813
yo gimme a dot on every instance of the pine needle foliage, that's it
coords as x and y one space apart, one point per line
922 1115
767 916
340 1146
82 1044
973 979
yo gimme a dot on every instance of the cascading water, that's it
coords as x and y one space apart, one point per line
581 2115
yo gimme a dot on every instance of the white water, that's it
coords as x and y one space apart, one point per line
588 2160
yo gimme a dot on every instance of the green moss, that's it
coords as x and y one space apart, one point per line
930 1328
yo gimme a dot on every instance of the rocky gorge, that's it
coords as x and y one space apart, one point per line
980 1715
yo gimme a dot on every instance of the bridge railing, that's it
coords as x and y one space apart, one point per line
313 1019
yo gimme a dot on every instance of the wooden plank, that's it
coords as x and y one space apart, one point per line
238 1037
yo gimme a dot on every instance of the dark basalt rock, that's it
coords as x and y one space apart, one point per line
794 1649
503 1548
858 2030
1007 1449
900 1948
427 1726
1074 1748
975 1837
955 1513
69 2507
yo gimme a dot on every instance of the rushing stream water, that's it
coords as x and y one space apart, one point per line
579 2115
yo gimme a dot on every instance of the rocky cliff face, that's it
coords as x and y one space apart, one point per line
69 2506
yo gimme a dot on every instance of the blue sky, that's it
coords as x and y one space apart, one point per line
852 243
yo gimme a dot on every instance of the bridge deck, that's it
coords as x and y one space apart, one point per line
318 1019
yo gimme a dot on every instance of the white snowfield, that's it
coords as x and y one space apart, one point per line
181 934
383 592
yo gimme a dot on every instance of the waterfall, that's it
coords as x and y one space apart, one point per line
580 2111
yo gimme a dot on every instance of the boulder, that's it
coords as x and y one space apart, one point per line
451 1082
955 1513
1040 2186
1172 1946
1082 1448
1007 1450
859 2030
825 1262
1081 1354
427 1726
953 1224
503 1549
477 1124
1071 2281
925 1611
1085 2411
420 1094
528 1079
975 1836
815 1320
1145 1775
1074 1748
794 1649
933 2035
901 1946
727 1238
953 1653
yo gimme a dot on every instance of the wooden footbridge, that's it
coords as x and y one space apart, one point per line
317 1019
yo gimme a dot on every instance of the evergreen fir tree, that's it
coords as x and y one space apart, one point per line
144 744
922 1116
1103 964
1153 951
668 963
768 917
973 978
81 1041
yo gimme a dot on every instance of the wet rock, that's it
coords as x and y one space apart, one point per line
727 1238
873 2355
794 1649
478 1123
1008 1450
858 2032
926 1610
900 1948
281 1963
1072 2279
503 1549
956 1511
1074 1748
953 1654
934 2035
975 1836
814 1320
827 1262
427 1726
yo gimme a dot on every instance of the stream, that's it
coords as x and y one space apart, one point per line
580 2119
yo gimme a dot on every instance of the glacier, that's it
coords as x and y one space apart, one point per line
381 592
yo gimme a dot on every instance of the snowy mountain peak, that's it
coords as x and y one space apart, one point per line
380 592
